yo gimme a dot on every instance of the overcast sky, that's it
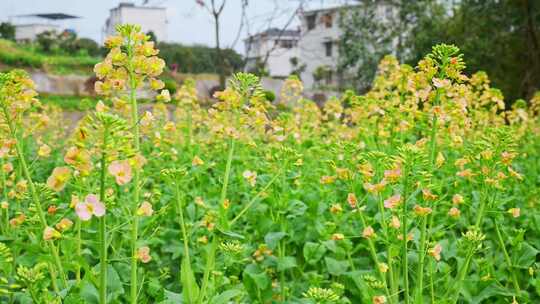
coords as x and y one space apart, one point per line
188 23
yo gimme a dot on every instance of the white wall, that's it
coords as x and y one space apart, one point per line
279 60
149 18
312 48
30 31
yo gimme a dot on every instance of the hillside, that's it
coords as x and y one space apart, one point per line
25 56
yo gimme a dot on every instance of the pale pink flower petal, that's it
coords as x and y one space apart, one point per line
83 211
91 199
97 207
121 170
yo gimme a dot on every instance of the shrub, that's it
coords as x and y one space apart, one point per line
171 85
7 31
270 95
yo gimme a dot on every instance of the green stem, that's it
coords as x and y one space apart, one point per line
103 225
431 286
4 196
136 178
190 292
189 133
373 253
222 209
281 251
35 197
423 231
210 263
79 250
182 223
462 272
404 231
506 257
422 255
393 285
254 199
35 300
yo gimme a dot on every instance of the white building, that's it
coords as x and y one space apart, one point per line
319 46
29 32
151 19
277 47
320 38
28 27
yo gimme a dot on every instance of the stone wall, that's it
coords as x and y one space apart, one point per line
80 85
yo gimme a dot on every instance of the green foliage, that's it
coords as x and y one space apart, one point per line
499 37
66 42
7 31
171 85
422 190
198 59
15 55
270 95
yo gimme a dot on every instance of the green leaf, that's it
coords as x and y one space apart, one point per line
190 289
490 292
257 282
272 239
313 252
225 296
336 267
525 256
171 298
231 234
285 263
89 293
114 283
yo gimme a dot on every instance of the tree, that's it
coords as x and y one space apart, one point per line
7 31
364 41
215 10
152 36
500 37
197 59
373 29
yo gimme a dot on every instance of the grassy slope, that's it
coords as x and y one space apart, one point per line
13 55
76 103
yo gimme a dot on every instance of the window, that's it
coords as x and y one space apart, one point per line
327 19
388 12
328 46
286 44
329 77
311 21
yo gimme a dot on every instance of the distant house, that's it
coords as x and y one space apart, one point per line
314 47
28 27
151 19
319 43
278 48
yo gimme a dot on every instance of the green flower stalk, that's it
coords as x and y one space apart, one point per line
16 96
131 63
103 224
136 188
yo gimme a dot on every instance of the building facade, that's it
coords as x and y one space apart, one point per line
278 48
317 47
151 19
29 32
28 27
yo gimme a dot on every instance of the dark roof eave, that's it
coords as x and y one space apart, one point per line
52 16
